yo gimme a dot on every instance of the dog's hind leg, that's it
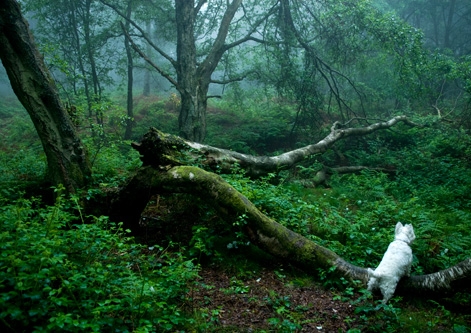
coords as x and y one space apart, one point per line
372 283
387 289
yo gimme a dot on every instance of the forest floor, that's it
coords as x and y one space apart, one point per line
274 299
245 289
267 301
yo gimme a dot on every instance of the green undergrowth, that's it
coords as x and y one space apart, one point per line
59 274
356 218
112 161
250 122
157 111
22 160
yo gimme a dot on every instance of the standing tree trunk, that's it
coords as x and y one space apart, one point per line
75 30
129 104
30 79
146 90
192 120
193 79
193 71
87 22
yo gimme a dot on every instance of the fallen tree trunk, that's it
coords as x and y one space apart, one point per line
158 148
164 171
262 230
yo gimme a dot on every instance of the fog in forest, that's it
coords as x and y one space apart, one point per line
235 166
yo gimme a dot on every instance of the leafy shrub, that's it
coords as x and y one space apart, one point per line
112 162
57 274
22 165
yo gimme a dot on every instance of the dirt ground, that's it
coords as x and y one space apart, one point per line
265 301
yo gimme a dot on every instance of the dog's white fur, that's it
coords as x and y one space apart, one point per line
396 262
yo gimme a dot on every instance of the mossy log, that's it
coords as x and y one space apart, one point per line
261 229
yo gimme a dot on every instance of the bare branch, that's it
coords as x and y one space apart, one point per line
143 33
254 28
320 64
217 50
199 5
219 46
149 61
229 80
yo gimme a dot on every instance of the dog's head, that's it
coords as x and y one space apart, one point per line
404 233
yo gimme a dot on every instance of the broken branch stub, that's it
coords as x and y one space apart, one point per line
159 149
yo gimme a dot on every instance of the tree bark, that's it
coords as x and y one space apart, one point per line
90 47
32 84
194 88
78 47
193 79
146 88
158 148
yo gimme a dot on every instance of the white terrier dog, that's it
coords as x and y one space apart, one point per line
396 262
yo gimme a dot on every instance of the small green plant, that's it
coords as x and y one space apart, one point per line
379 318
202 242
236 287
286 321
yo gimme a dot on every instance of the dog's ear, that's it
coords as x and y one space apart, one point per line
399 227
411 232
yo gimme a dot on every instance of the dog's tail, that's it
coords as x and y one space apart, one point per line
371 273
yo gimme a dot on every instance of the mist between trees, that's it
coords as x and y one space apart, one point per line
347 59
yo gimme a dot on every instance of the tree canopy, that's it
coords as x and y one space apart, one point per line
354 57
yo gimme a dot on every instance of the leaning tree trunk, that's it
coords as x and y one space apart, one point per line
34 87
164 171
